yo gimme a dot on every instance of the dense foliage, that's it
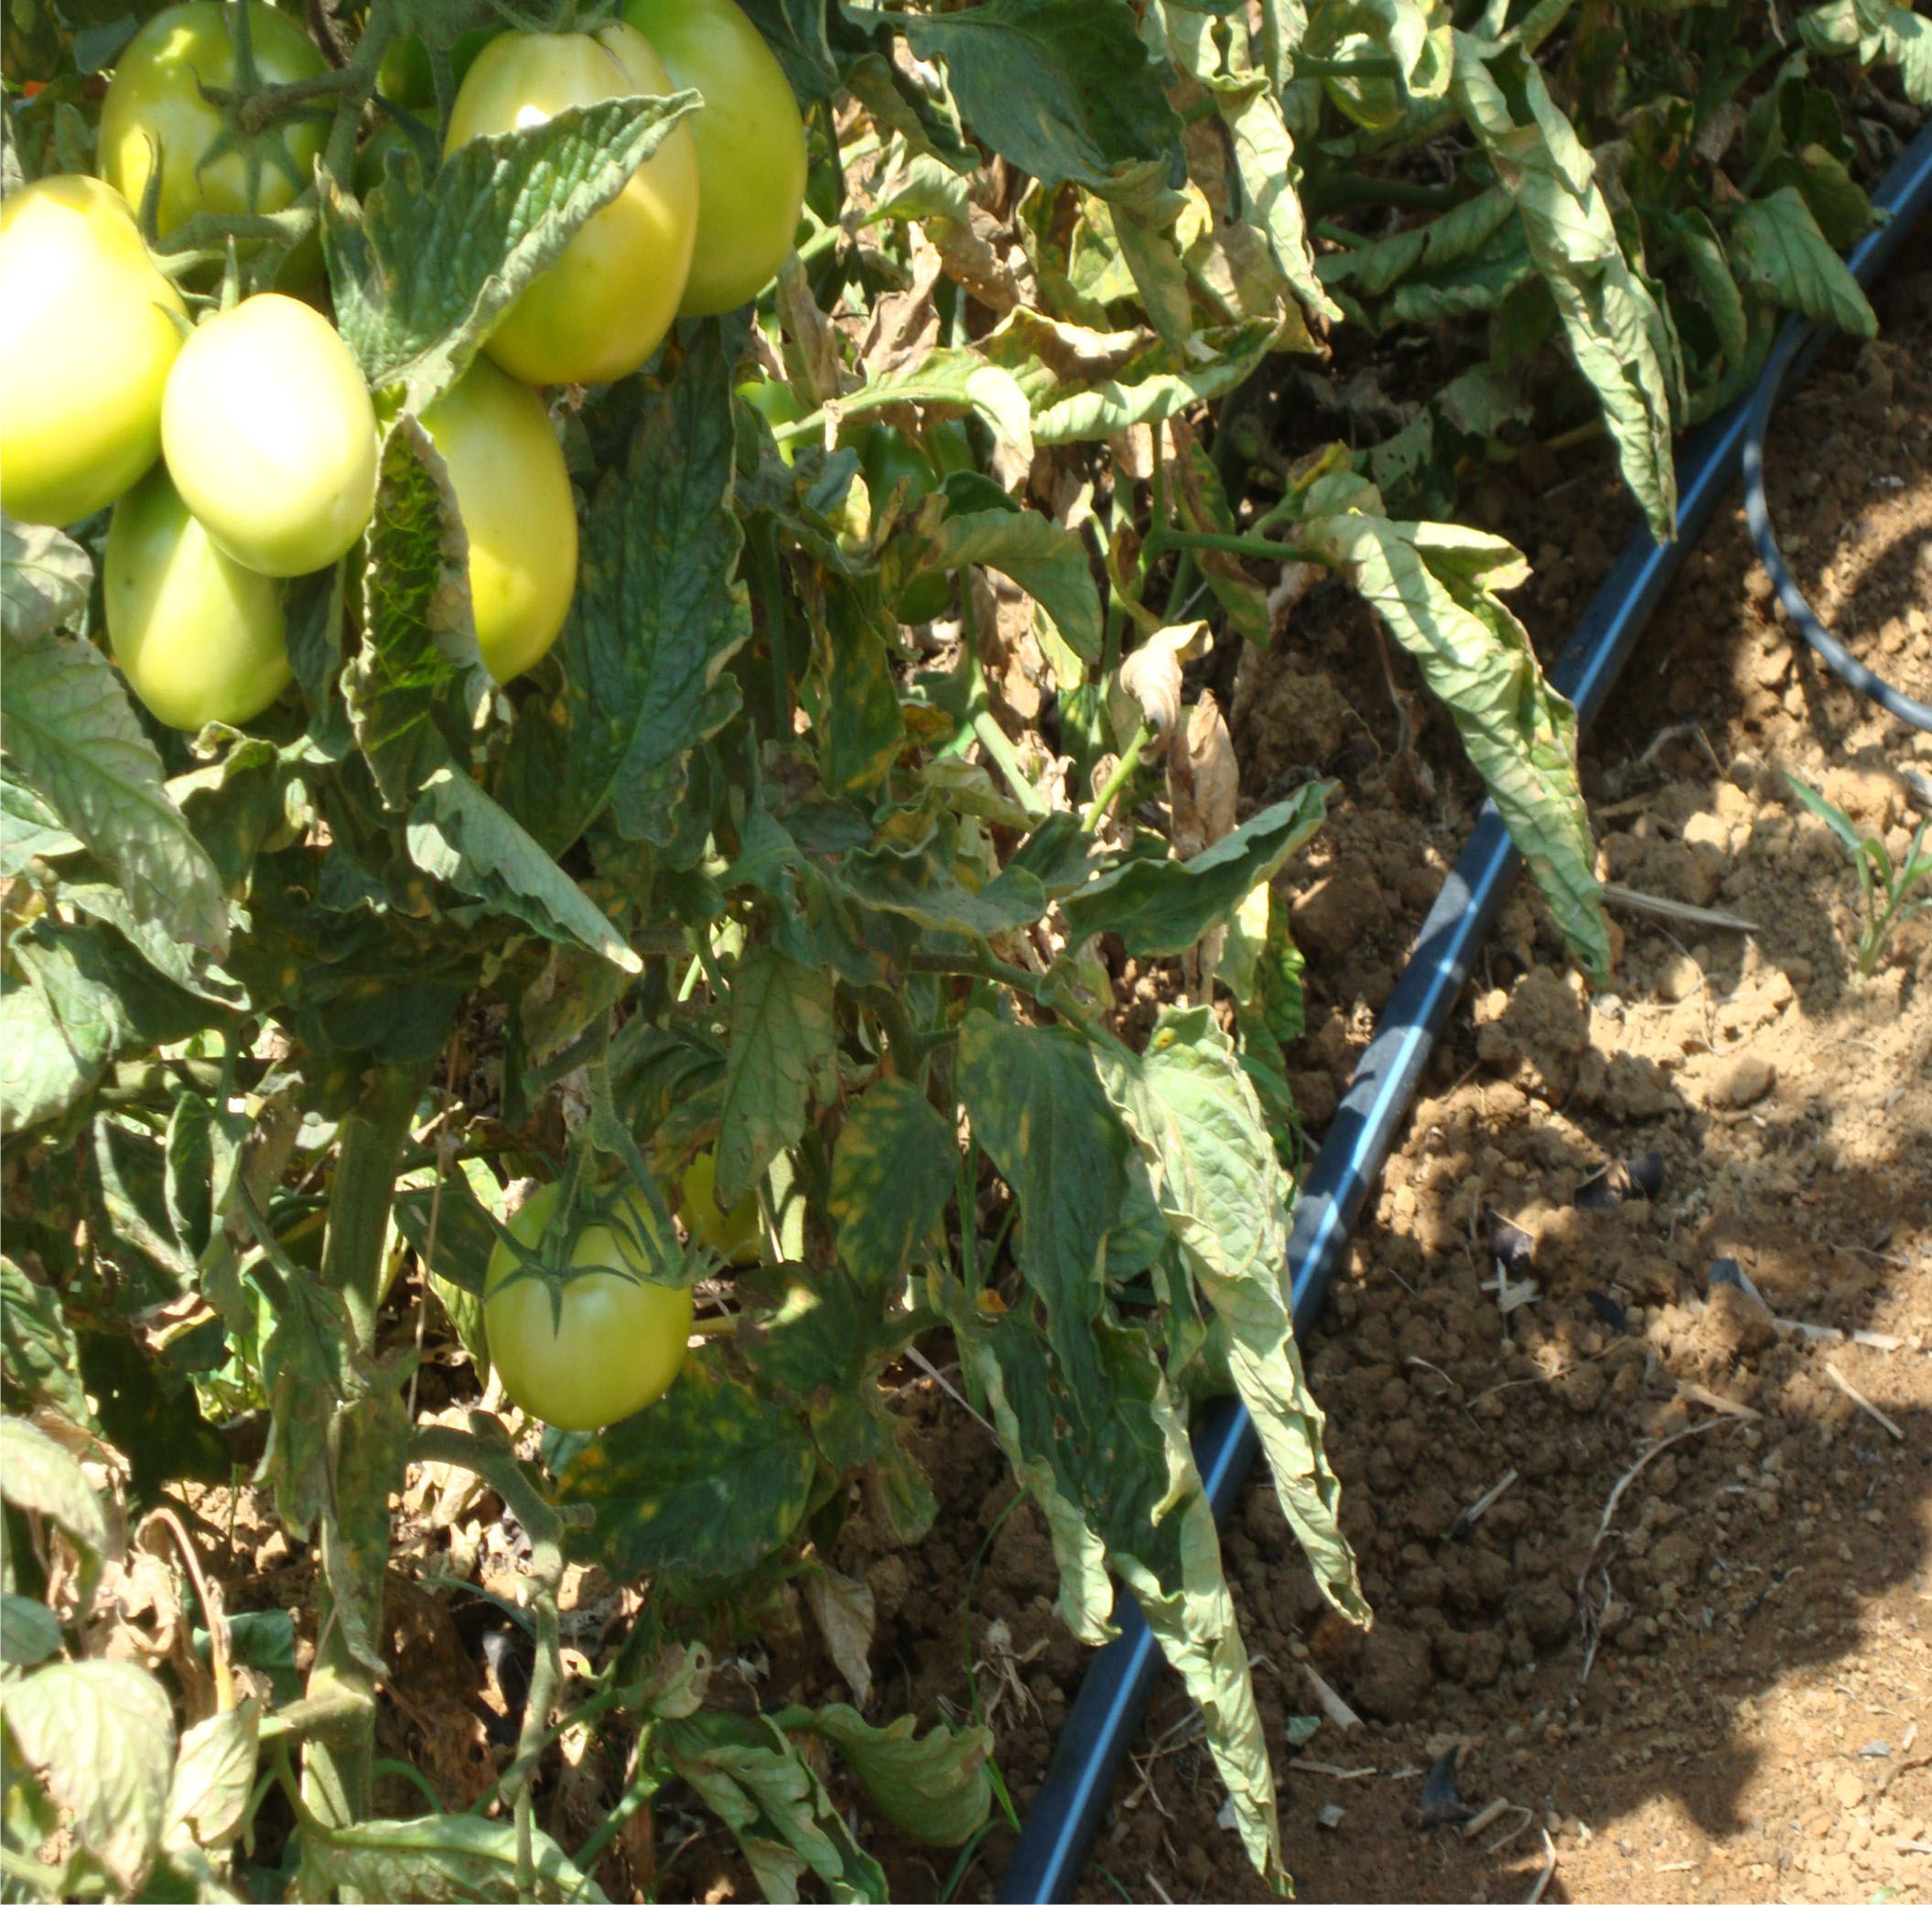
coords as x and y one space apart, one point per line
798 879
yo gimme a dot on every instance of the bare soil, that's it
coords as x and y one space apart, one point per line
1710 1676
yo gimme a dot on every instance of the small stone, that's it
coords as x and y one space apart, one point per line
1849 1788
1394 1673
1330 1815
1582 1387
1547 1610
1743 1080
1681 977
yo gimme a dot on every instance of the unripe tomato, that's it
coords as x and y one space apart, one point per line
155 102
732 1233
270 435
617 1344
198 637
750 146
86 343
513 491
604 307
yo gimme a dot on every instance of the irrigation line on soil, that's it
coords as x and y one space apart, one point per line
1100 1726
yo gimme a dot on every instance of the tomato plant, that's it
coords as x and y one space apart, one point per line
748 888
518 512
270 435
198 637
87 336
601 1344
750 146
165 107
604 307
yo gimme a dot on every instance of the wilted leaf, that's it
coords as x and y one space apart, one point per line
1203 780
439 1859
779 1053
1150 677
937 1789
39 1476
1048 562
1780 249
36 1345
213 1776
846 1615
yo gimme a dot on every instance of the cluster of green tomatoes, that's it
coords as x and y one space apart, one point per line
243 450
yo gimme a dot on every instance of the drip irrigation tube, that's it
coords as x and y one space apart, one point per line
1061 1823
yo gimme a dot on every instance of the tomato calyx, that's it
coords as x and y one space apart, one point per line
580 1209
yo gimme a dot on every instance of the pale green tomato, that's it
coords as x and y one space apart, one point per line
732 1233
87 337
154 102
513 491
617 1344
198 637
604 307
270 435
750 146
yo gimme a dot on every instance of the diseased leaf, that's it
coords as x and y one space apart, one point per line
780 1051
38 1475
213 1776
1163 907
895 1165
748 1772
1780 251
658 613
75 740
1226 1197
46 1064
861 730
421 273
44 578
1048 562
439 1859
937 1789
101 1734
708 1482
1617 332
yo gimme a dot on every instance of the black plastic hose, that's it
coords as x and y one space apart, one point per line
1799 339
1065 1813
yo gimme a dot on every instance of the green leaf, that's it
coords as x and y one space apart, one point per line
750 1773
1618 333
45 577
101 1734
705 1483
46 1067
421 273
1064 92
1048 562
1779 250
456 834
938 1789
74 738
213 1776
1226 1197
1876 31
658 612
29 828
1163 907
444 1857
416 688
1434 584
892 1171
38 1351
920 882
38 1475
781 1051
1717 288
28 1632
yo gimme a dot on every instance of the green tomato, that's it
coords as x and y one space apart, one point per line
198 637
514 493
750 146
733 1233
616 1343
87 338
774 401
604 307
270 435
155 105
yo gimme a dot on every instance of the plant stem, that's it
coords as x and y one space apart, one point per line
1258 548
372 1137
1123 772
